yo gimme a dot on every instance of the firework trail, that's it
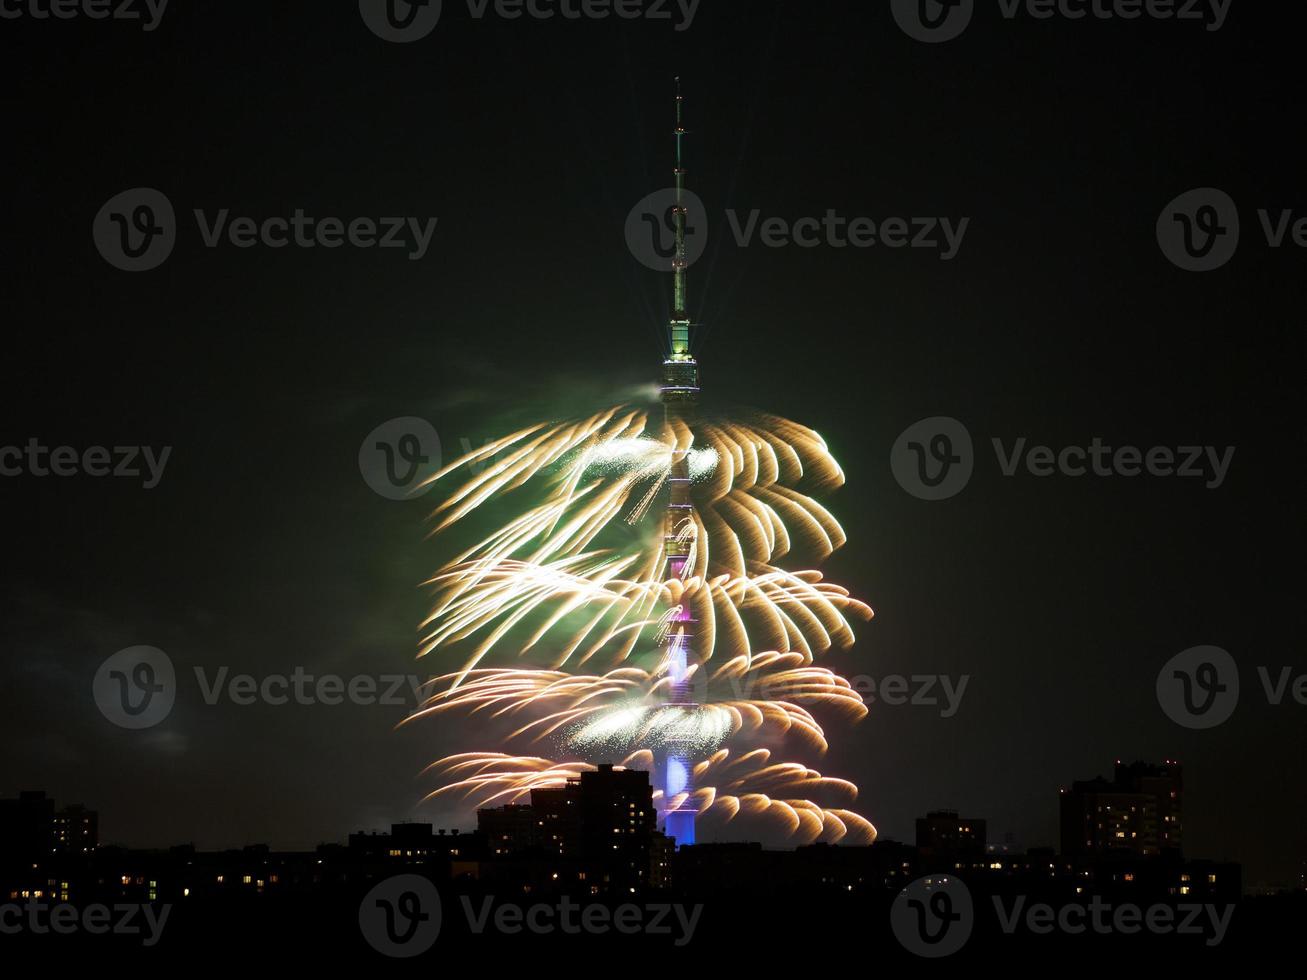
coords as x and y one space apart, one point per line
642 580
579 584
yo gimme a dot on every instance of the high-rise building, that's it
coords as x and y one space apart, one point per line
943 837
75 830
557 817
616 825
1139 811
26 825
509 829
600 829
31 827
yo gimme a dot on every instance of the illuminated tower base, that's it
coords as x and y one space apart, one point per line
679 825
677 769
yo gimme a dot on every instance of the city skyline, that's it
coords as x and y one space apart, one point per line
593 842
1138 782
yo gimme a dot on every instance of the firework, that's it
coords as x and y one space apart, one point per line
558 586
642 579
747 784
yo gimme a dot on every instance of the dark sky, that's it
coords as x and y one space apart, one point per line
1060 320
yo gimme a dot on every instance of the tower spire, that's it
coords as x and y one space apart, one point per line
680 316
680 372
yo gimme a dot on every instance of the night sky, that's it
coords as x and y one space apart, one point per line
262 549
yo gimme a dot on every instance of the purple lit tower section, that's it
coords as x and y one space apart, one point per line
680 395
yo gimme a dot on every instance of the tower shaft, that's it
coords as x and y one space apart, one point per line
680 394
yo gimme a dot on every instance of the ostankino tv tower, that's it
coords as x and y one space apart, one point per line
680 396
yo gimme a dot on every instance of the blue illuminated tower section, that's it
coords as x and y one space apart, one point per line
680 396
